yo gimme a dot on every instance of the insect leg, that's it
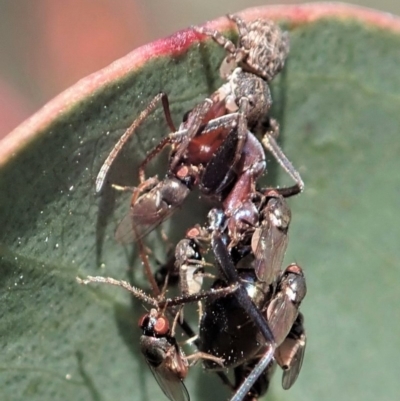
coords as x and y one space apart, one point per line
269 142
129 132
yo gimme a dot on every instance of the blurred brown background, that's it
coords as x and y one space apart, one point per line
47 45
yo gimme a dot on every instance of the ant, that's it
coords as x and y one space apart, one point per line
214 147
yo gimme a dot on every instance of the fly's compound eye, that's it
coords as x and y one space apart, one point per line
144 321
161 327
295 269
154 325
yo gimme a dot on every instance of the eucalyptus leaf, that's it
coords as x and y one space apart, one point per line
338 103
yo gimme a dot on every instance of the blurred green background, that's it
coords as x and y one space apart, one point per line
47 45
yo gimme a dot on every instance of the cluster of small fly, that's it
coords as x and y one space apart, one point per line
251 319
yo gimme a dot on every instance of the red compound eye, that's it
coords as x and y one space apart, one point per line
183 172
293 268
162 326
143 321
193 232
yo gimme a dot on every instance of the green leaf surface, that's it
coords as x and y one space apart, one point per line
338 103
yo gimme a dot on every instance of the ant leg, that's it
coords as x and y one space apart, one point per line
285 192
224 42
150 156
223 122
220 169
137 292
168 302
262 384
228 270
235 54
195 119
209 275
257 371
269 142
213 293
241 25
129 132
242 126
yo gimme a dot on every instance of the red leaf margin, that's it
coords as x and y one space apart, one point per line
175 45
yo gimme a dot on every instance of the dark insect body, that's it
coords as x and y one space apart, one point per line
214 148
251 316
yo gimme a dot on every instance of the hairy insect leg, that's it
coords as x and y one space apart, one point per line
213 293
285 192
129 132
167 302
195 119
269 142
137 292
235 54
223 122
240 23
150 156
221 168
224 42
244 106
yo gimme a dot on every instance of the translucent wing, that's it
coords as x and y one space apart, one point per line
150 210
282 314
171 385
290 354
291 374
134 227
164 357
269 241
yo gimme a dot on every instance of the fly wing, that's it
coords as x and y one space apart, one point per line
150 210
270 240
281 315
270 245
290 353
171 385
291 374
135 226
